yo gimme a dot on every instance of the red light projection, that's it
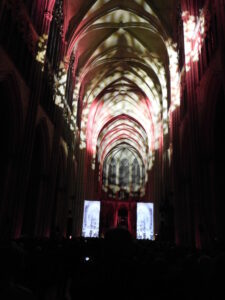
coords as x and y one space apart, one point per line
126 84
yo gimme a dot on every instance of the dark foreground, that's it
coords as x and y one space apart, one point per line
115 267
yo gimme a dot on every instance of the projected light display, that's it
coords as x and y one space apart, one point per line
194 35
91 219
145 227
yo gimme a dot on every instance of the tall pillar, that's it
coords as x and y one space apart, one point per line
79 193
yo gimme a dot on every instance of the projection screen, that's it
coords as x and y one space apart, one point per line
145 221
91 219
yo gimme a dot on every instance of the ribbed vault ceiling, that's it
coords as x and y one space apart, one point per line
125 60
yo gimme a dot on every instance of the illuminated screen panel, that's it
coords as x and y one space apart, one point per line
145 221
91 219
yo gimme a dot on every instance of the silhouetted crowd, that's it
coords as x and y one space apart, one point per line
116 267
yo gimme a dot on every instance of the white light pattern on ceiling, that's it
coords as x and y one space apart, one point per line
123 77
194 35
